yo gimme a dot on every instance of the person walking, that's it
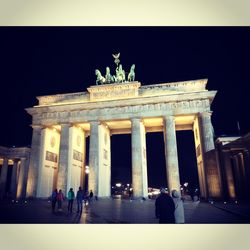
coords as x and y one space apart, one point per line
54 200
71 197
179 209
91 196
59 199
79 198
164 208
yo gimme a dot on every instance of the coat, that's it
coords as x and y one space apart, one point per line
179 209
164 208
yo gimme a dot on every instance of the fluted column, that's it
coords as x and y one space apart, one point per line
238 185
62 181
14 178
34 162
3 177
247 169
243 179
172 166
22 179
94 156
206 131
139 159
207 139
229 175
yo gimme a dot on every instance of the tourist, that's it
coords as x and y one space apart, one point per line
59 199
179 209
86 197
79 198
91 195
71 197
164 208
54 199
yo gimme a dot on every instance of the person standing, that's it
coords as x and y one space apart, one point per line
164 208
59 199
79 198
54 199
91 195
179 209
71 197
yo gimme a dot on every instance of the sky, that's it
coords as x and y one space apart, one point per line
37 61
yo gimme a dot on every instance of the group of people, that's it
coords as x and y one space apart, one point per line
169 209
81 196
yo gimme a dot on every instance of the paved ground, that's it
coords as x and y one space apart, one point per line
110 211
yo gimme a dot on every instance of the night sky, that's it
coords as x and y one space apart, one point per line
37 61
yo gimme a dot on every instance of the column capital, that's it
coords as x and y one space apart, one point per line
134 119
16 160
65 125
95 122
37 127
205 114
169 118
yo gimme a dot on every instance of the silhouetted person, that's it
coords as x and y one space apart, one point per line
54 199
197 194
60 199
130 194
71 197
179 209
164 208
79 199
91 196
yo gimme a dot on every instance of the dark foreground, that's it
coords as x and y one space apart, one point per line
109 211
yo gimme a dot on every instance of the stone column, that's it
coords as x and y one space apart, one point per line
3 177
206 131
39 189
34 163
247 169
64 158
14 178
172 167
207 139
238 186
243 179
22 179
139 163
229 175
94 157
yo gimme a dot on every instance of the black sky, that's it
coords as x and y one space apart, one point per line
38 61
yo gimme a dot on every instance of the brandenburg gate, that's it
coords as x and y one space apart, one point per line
62 122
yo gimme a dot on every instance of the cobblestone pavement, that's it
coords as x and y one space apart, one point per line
110 211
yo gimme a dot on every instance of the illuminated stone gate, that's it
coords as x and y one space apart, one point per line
62 122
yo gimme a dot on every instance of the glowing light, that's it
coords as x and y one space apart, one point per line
128 185
86 169
118 184
185 184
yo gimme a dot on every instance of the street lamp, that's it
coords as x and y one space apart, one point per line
86 177
86 169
